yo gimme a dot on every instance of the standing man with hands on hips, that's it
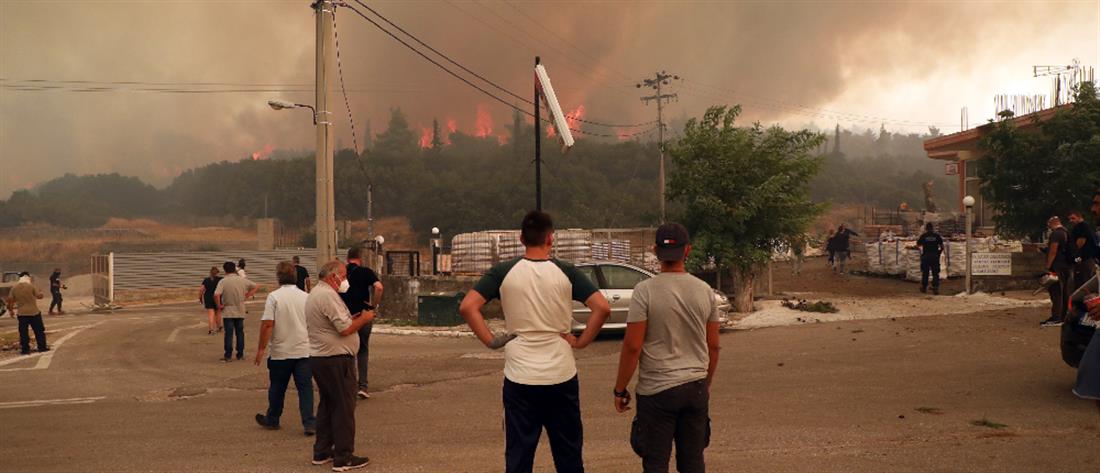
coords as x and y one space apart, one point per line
540 373
672 330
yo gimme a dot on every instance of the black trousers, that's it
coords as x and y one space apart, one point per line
335 378
56 302
680 414
362 358
35 323
1082 272
1059 293
234 326
930 265
527 410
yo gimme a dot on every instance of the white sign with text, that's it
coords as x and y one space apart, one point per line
991 264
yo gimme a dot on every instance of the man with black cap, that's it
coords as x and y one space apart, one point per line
672 330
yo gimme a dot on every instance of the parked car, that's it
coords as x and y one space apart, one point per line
7 281
616 281
1075 336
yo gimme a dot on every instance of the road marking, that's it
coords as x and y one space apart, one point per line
172 336
44 359
49 402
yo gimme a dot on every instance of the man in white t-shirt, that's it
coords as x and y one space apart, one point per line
284 322
540 373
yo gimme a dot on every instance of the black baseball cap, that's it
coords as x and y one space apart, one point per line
671 240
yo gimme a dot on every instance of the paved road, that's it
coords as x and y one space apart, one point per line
118 395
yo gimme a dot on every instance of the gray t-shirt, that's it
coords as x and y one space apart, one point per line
676 308
233 288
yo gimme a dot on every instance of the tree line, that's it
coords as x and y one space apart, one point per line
462 182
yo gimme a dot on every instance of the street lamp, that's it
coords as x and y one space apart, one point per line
283 105
968 203
436 245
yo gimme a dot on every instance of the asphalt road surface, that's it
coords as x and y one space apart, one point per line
143 390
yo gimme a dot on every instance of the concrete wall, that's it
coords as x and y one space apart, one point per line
265 234
399 300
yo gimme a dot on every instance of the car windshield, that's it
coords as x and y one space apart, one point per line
620 277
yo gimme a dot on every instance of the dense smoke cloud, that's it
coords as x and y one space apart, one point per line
916 62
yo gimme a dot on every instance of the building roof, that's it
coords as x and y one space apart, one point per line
963 145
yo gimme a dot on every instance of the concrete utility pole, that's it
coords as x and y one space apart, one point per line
659 79
326 207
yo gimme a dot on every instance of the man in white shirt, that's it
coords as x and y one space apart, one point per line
284 322
540 373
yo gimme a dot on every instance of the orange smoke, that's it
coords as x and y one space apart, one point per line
263 153
484 125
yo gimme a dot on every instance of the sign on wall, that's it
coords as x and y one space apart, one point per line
951 169
991 264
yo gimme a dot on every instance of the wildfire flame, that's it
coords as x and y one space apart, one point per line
572 119
425 137
484 123
263 153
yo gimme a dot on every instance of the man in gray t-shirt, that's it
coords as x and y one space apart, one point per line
672 331
230 295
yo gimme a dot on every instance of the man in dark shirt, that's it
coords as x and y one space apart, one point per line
302 281
1082 243
841 244
361 280
931 247
1058 264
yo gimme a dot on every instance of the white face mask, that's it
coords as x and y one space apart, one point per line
344 286
25 279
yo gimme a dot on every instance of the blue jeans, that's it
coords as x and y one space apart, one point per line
233 325
280 372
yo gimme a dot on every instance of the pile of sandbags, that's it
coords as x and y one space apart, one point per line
901 257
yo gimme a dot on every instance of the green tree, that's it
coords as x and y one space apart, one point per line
1027 176
745 190
437 140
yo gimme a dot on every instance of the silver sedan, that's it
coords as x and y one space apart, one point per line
616 281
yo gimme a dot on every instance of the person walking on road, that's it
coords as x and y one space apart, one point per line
540 374
830 249
302 280
206 297
230 296
1088 371
672 336
1082 242
842 247
930 244
798 253
333 343
24 297
358 298
284 322
1058 264
55 290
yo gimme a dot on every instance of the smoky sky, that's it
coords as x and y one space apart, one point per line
902 65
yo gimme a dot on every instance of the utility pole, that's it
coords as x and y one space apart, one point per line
538 146
326 215
659 79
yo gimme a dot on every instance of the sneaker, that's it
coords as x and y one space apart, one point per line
1052 322
321 458
923 290
935 291
226 359
363 394
43 350
351 463
262 420
240 357
310 431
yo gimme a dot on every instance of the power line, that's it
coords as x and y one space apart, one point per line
340 74
483 78
459 77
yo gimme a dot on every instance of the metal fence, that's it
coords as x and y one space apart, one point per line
185 269
473 253
403 263
103 286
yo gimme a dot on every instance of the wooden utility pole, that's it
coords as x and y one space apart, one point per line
660 79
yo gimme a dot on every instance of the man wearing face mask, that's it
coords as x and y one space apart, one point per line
333 344
24 296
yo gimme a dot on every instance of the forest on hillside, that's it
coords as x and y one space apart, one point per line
460 182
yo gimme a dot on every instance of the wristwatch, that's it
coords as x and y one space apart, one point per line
623 393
